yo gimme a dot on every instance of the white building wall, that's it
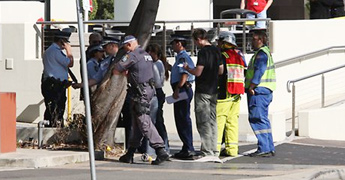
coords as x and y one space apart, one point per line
31 11
10 11
170 10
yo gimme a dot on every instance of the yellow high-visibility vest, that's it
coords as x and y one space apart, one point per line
268 79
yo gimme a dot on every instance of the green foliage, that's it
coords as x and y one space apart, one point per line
92 14
105 9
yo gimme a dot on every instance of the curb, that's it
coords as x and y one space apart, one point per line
37 158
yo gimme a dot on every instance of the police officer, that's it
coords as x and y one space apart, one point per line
93 65
94 39
139 65
181 81
55 78
260 82
110 47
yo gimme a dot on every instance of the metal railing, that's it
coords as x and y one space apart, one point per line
299 59
218 23
288 84
304 57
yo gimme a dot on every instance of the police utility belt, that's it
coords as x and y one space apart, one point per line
139 88
56 82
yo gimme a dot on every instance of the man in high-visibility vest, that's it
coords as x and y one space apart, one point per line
260 82
230 88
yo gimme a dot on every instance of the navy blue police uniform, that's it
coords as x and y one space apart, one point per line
140 66
182 108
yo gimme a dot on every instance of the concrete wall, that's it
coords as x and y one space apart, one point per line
18 47
169 10
327 124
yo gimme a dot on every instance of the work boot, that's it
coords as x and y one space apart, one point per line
161 156
128 157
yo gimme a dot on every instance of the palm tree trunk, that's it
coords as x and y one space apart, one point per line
109 97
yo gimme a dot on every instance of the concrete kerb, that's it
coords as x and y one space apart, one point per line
36 158
310 174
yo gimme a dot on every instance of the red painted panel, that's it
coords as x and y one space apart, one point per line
7 122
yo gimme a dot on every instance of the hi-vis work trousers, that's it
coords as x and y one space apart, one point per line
227 120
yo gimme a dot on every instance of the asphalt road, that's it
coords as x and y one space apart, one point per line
300 159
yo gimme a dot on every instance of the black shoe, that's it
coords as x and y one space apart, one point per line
161 156
185 155
273 153
262 154
224 154
128 157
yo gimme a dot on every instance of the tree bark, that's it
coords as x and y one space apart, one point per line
108 99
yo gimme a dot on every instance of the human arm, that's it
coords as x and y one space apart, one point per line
92 82
221 65
122 66
260 67
181 83
196 71
69 53
268 5
243 4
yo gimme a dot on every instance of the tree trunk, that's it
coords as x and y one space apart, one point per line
109 97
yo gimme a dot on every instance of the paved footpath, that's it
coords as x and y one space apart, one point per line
297 160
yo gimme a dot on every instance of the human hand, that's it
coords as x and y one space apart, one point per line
77 85
251 91
176 94
185 66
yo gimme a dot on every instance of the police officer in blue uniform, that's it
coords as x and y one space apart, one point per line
110 46
55 78
93 65
181 81
139 65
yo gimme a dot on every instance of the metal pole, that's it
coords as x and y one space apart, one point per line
293 109
164 44
323 91
244 46
42 40
47 11
191 35
86 92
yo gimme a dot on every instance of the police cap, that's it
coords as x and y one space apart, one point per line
63 35
176 37
96 48
107 40
128 39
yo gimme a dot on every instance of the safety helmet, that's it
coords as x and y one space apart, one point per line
228 37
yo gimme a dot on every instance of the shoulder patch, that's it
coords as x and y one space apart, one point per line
124 58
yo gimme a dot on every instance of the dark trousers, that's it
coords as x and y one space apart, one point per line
160 119
54 93
142 125
183 121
